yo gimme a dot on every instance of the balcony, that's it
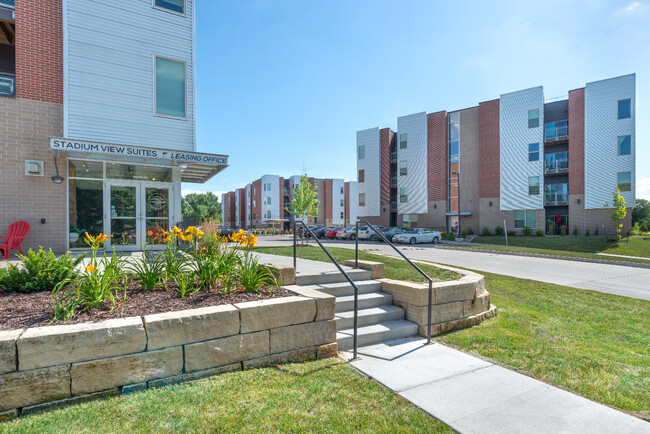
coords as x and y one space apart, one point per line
556 194
393 206
556 131
8 4
7 85
393 181
393 157
556 163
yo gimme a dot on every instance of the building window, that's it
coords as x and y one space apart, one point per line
254 204
624 108
533 152
403 195
253 190
362 199
268 200
342 202
177 6
268 187
525 218
533 118
342 216
403 168
362 152
624 145
342 190
625 181
533 185
254 216
362 175
170 87
268 214
403 140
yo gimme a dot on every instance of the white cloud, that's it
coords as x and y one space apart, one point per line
643 188
631 9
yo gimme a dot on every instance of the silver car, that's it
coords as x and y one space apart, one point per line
418 235
349 233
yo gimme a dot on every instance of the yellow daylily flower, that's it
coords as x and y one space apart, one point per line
90 268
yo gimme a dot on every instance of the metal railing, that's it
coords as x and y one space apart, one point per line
7 85
356 265
554 131
356 288
393 156
393 181
556 163
393 206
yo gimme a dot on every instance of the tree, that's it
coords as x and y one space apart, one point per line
641 213
304 202
618 212
201 206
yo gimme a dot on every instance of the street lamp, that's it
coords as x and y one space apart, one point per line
458 176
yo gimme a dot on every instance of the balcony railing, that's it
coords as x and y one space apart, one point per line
555 131
393 156
393 206
556 194
393 181
556 163
9 4
7 85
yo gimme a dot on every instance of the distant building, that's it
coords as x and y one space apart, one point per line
531 162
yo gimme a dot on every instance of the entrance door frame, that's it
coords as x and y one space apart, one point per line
140 209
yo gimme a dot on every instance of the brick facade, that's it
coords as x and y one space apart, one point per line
489 144
577 141
385 138
437 155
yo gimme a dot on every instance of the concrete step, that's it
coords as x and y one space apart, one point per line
344 288
374 315
377 333
332 277
366 301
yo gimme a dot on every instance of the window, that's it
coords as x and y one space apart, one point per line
362 175
268 214
342 202
177 6
362 199
342 216
254 204
268 200
170 87
625 181
624 108
403 195
525 218
533 152
533 185
342 190
268 187
362 152
403 169
533 118
253 190
624 145
403 141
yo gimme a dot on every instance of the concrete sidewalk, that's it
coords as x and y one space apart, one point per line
475 396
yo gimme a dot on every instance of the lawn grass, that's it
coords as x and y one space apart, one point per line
570 245
594 344
393 267
323 395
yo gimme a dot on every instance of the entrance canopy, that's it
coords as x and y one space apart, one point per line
195 167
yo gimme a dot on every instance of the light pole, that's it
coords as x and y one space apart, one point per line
458 177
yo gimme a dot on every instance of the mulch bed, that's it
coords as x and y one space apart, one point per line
35 310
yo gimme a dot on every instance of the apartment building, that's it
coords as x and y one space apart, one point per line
267 199
98 119
520 160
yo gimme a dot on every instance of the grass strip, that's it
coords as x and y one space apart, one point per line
323 396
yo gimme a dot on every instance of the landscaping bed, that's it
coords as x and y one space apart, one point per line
35 310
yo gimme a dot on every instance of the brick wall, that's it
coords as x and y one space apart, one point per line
242 208
327 197
39 50
489 143
577 141
385 137
25 126
256 199
437 155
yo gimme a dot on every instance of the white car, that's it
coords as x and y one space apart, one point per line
348 233
366 233
418 235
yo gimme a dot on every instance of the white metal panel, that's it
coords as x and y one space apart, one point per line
415 155
338 201
354 202
237 216
602 128
515 138
371 165
274 194
248 205
109 72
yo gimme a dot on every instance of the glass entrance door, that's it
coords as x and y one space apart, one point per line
137 213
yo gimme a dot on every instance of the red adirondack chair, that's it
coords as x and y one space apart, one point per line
15 235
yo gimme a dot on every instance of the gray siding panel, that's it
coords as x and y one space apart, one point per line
109 72
602 128
416 152
371 165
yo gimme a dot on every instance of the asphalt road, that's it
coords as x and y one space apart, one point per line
614 279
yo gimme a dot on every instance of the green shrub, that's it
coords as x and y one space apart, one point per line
499 230
539 233
550 229
252 276
186 285
41 271
216 264
512 233
443 235
575 231
451 236
467 232
486 231
526 230
149 270
563 230
586 232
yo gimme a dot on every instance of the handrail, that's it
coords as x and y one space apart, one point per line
356 265
356 288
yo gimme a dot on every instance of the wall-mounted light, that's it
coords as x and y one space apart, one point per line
57 179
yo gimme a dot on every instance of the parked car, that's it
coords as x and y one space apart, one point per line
301 232
320 232
331 234
418 235
389 233
349 233
366 233
224 231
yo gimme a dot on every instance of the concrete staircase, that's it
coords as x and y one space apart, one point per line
379 320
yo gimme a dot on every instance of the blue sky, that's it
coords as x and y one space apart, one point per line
283 85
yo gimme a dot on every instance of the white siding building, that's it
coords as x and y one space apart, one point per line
368 163
338 202
412 173
270 197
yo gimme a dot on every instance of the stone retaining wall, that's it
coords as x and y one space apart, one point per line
456 304
51 366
